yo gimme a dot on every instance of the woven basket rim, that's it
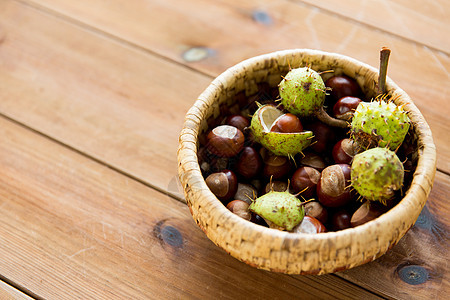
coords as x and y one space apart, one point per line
421 184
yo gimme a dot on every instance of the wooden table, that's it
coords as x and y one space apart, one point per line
92 98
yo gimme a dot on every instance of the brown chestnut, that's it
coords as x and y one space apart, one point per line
316 210
344 150
225 141
333 187
309 225
276 186
314 161
204 160
340 220
210 163
287 123
257 219
345 107
368 211
342 86
223 184
305 179
324 137
240 208
249 163
276 167
257 183
238 121
245 192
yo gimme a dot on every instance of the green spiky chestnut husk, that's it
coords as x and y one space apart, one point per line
280 208
376 174
379 124
302 91
279 143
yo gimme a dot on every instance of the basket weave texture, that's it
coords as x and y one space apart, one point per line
296 253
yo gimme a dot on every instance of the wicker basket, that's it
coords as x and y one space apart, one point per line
295 253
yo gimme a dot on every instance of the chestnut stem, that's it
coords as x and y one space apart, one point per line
322 115
384 59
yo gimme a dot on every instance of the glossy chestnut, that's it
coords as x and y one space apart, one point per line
341 86
246 192
257 219
287 123
316 210
225 141
333 187
222 184
305 180
324 137
344 151
238 121
249 163
276 186
240 208
276 167
345 107
313 160
340 220
368 211
310 225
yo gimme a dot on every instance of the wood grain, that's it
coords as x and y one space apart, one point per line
425 247
8 292
94 76
77 229
117 104
423 23
420 71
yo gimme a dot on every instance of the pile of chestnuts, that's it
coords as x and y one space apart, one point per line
238 169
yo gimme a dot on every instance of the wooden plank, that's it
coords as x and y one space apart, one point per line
75 229
421 72
112 102
418 266
421 22
8 292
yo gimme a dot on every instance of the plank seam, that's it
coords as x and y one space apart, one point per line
369 26
102 163
147 184
93 158
106 35
20 288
